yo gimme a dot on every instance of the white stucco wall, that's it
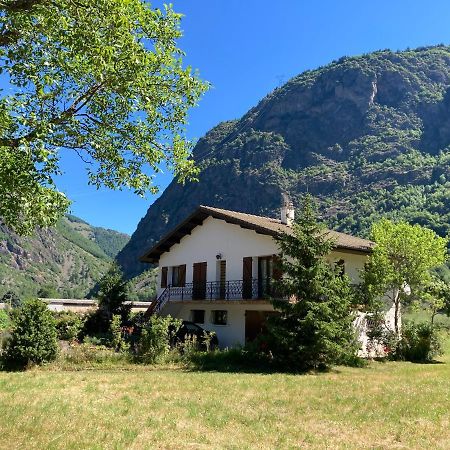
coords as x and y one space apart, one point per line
233 243
229 335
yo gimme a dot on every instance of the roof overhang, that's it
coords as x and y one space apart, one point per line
198 217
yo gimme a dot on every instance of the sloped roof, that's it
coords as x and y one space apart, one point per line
262 225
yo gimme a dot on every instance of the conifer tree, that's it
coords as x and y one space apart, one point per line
314 328
113 293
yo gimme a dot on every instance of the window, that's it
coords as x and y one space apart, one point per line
219 317
340 266
198 315
164 277
179 276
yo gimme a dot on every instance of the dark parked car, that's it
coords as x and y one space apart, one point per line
190 330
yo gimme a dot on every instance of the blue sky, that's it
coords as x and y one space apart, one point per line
245 48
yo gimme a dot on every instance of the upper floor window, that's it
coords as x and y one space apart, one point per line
164 277
179 276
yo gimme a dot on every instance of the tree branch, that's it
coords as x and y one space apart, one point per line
75 107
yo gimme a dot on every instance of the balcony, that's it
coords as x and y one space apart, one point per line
252 289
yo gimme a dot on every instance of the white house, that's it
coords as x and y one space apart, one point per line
215 269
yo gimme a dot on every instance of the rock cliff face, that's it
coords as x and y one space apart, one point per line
366 136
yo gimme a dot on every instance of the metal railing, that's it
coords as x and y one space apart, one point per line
222 290
252 289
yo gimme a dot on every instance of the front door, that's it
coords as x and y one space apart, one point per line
265 272
256 323
199 281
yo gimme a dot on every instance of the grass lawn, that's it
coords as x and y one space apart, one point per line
386 405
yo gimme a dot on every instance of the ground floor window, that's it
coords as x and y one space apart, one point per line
198 315
219 317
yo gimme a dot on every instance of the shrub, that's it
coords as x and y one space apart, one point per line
11 299
248 359
4 320
33 338
118 342
68 325
87 354
96 322
420 342
155 339
5 323
95 340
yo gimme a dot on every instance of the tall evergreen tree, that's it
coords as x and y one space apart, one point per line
111 295
113 292
314 328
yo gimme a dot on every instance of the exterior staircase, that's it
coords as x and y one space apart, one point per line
158 303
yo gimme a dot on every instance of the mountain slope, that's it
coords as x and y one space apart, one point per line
367 136
71 258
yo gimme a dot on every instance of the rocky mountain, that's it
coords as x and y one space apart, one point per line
67 260
367 136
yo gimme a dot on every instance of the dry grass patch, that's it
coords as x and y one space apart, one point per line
386 405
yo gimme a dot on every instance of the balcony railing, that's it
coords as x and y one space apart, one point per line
221 290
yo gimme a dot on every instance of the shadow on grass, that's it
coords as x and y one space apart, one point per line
242 361
230 361
426 363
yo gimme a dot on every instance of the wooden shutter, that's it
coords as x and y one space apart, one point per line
199 281
182 275
247 275
164 277
247 268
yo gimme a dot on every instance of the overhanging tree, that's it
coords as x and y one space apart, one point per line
400 265
314 328
103 79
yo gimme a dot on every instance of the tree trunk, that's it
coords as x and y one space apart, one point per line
396 295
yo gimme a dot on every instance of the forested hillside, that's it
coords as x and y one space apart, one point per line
367 136
67 260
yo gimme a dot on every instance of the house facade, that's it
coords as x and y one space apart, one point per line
216 267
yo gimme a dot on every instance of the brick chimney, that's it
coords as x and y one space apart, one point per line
287 209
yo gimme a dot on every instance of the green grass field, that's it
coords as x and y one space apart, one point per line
385 405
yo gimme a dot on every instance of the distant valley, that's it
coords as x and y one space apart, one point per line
68 259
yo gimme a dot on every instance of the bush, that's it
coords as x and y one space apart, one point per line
4 320
87 354
5 323
96 322
33 338
248 359
11 299
155 339
420 342
68 325
118 342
